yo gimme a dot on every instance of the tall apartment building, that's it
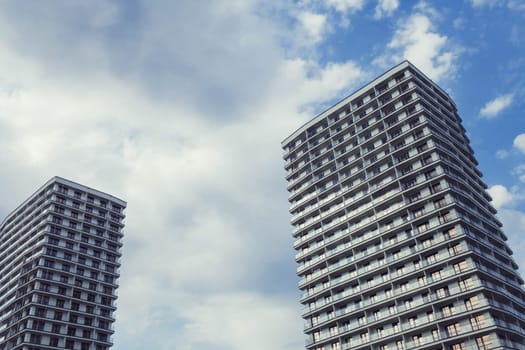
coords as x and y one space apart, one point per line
59 265
397 243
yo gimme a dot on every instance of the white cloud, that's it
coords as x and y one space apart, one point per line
518 5
385 8
500 196
187 134
519 143
494 107
502 154
346 5
482 3
513 222
417 40
314 25
520 172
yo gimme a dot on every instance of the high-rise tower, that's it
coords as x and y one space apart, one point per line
59 262
397 243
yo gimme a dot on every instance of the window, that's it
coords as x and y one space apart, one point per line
35 338
440 203
55 328
365 337
422 227
47 275
465 284
445 217
472 302
477 322
455 249
38 325
71 331
102 337
392 309
447 310
51 252
442 292
458 346
86 334
431 258
484 342
53 341
417 339
460 267
436 275
419 212
453 329
70 344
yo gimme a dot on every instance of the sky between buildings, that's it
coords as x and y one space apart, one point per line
179 108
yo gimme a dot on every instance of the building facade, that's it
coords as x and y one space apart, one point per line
59 265
397 244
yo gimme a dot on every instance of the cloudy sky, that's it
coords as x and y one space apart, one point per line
179 108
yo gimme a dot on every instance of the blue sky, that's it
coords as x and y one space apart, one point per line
179 108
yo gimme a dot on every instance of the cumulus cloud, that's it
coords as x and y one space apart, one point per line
385 8
502 154
519 143
516 5
482 3
314 26
500 195
513 222
494 107
346 5
417 40
520 172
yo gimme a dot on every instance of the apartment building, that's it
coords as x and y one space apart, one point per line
397 244
59 266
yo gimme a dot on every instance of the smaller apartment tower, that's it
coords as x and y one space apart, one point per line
59 265
397 244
